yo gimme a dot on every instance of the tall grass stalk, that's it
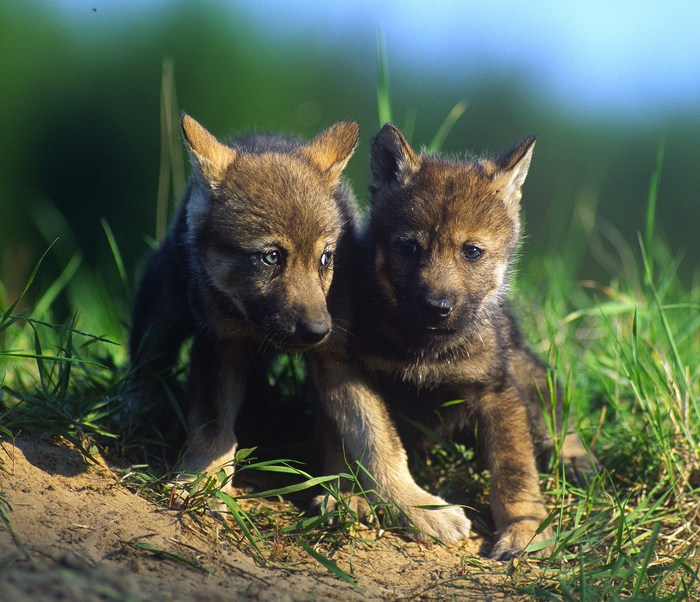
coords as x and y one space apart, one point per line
172 167
384 87
385 111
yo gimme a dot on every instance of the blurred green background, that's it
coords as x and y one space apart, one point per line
80 138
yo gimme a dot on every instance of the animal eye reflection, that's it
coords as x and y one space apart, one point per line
407 248
472 252
271 257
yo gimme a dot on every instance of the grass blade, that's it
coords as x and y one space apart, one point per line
239 515
171 161
10 309
330 566
653 194
291 488
58 285
384 88
116 254
6 323
444 130
52 358
159 553
442 442
642 576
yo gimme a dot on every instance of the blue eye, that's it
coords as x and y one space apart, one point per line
271 257
326 259
407 248
472 252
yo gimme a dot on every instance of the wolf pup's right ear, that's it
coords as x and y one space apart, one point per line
331 150
391 159
209 157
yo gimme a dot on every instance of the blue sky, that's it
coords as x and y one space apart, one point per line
623 57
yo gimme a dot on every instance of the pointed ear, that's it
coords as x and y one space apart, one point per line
391 158
209 157
331 149
512 167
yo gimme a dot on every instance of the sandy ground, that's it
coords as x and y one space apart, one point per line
71 528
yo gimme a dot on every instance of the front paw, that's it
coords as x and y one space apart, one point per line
442 521
517 537
427 516
197 477
195 464
189 490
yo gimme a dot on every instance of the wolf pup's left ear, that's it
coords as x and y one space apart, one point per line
391 158
332 148
512 167
209 157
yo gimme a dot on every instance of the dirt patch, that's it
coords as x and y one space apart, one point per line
73 529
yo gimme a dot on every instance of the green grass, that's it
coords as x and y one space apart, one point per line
625 350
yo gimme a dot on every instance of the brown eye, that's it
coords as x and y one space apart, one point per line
407 248
472 252
271 257
326 259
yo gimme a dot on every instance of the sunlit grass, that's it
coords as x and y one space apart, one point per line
626 360
624 350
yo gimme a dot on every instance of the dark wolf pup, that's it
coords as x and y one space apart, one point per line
245 267
431 324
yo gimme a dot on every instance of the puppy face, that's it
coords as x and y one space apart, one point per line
443 233
265 225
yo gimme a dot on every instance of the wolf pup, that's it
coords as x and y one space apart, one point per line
431 325
245 267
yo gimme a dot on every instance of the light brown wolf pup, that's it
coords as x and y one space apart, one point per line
431 324
245 268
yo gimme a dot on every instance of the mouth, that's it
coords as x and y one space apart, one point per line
298 346
425 338
440 331
435 331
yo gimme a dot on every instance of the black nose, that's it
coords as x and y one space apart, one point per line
437 309
313 331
